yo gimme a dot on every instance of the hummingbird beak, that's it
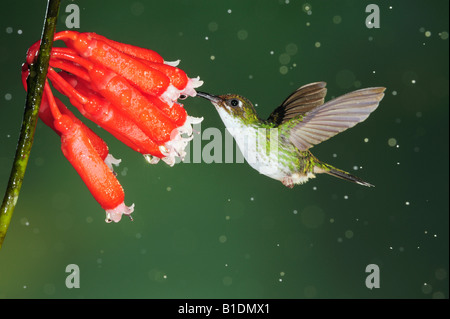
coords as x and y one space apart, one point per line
212 98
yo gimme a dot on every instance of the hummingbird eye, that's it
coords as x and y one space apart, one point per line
234 102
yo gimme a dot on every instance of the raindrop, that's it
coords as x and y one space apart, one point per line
242 34
443 35
8 96
222 239
392 142
9 30
213 26
337 19
291 49
284 69
284 58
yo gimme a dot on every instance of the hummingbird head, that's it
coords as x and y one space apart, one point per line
235 105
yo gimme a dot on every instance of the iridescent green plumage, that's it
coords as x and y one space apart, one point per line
300 122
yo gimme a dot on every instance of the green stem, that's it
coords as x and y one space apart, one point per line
36 82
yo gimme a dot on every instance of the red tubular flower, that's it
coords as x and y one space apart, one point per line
129 91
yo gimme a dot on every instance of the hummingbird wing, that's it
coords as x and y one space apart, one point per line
303 100
333 117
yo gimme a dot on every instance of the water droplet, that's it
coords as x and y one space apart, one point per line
8 96
213 26
337 19
284 69
242 34
222 239
291 49
317 44
392 142
9 30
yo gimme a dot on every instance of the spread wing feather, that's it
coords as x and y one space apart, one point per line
303 100
326 120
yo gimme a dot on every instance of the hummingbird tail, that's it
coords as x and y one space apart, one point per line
330 170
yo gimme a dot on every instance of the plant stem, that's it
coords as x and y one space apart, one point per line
35 82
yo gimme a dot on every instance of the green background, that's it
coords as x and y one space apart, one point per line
223 230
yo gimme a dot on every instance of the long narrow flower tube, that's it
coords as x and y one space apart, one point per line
103 113
100 180
46 116
137 52
130 92
145 78
175 112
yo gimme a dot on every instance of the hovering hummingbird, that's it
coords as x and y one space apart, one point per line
300 122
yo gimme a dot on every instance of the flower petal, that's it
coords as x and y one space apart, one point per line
115 214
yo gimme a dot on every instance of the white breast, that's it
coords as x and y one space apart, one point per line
246 138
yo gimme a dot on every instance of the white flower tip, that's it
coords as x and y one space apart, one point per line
115 214
177 144
170 95
192 84
111 160
172 63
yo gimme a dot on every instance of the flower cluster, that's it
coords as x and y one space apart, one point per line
129 91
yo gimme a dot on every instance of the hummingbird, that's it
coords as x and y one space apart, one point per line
293 128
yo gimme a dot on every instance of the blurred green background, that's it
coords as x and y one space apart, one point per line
223 230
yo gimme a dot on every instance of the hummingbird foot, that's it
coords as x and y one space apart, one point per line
288 182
